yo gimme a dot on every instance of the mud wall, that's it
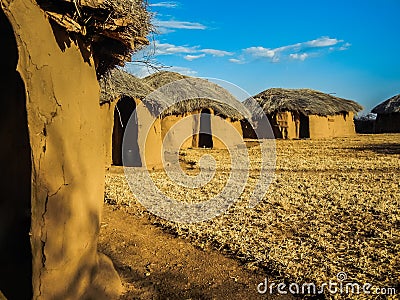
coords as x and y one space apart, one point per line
285 124
150 154
177 136
339 125
107 112
15 184
220 129
66 141
388 123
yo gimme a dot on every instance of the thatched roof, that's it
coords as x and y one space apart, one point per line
191 94
391 105
117 83
188 95
158 79
113 28
306 101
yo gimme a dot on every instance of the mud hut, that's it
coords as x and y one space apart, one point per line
388 116
305 113
53 185
204 130
121 96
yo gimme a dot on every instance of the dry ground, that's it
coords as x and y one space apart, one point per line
333 207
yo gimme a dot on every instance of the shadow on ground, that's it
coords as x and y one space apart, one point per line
392 148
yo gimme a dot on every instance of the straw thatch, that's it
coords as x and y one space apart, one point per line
391 105
113 28
118 83
191 94
306 101
158 79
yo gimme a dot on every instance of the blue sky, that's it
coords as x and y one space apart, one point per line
351 48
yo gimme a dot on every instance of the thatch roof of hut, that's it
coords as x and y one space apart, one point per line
117 83
189 95
391 105
306 101
113 28
158 79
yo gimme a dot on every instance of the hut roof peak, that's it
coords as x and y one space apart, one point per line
306 101
392 105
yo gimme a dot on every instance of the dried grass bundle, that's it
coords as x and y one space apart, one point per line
113 28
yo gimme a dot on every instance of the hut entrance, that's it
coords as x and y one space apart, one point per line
125 108
205 136
304 127
15 153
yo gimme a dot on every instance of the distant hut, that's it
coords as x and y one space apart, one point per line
52 183
204 130
121 96
305 113
388 116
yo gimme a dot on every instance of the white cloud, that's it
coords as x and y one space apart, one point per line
168 49
298 56
345 47
236 61
323 42
171 24
215 52
260 52
190 52
193 57
298 51
167 4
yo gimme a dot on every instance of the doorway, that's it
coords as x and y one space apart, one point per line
124 110
205 135
15 160
304 126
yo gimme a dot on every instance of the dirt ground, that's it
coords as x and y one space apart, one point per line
332 208
154 264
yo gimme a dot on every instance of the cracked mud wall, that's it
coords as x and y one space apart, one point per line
67 155
15 184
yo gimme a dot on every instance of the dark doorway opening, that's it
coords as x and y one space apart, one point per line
15 160
304 126
124 110
205 135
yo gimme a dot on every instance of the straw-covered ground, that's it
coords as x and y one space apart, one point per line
334 206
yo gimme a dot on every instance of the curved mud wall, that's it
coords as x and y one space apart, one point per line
178 136
151 153
67 154
339 125
15 184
